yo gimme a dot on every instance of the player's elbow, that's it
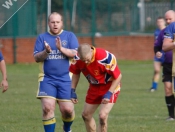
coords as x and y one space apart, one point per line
120 77
36 59
165 48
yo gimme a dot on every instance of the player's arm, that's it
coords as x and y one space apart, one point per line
158 43
157 51
4 82
75 80
67 52
115 83
168 44
41 56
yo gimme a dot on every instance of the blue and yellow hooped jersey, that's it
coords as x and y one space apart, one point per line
56 65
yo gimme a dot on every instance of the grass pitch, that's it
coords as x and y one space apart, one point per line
137 110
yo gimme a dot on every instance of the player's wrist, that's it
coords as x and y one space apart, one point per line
108 95
47 52
73 93
73 89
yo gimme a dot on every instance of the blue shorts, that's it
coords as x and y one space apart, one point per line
162 59
54 89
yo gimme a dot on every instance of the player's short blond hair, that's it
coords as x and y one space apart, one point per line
55 13
83 50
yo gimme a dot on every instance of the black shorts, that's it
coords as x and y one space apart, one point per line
167 72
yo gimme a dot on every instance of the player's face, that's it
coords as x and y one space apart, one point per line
55 24
161 23
169 18
88 58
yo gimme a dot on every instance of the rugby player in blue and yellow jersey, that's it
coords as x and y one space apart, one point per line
54 50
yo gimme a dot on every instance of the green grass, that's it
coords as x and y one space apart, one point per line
137 110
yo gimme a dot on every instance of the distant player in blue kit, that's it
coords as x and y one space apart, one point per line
4 82
157 61
167 65
54 50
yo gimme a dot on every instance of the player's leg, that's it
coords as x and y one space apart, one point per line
47 93
105 110
169 96
65 104
103 116
87 116
156 75
169 99
48 107
68 114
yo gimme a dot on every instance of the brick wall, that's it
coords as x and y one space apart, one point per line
124 47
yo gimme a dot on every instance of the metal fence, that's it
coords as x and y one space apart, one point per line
18 18
85 18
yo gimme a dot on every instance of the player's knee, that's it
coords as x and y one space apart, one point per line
48 110
103 116
168 92
157 71
68 113
85 116
102 122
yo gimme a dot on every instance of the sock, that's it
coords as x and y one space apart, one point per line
170 105
154 85
49 125
67 124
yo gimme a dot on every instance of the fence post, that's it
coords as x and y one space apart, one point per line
141 6
15 33
93 30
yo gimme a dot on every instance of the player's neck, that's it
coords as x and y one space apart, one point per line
55 34
161 28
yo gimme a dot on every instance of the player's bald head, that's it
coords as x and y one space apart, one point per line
84 50
53 14
169 16
170 12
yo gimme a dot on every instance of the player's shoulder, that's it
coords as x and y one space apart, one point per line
156 31
170 26
162 31
43 34
65 32
102 53
170 29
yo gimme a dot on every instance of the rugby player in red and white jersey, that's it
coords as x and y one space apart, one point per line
100 69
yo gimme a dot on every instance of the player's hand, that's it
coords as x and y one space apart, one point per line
74 96
158 54
105 101
47 47
106 97
4 84
58 43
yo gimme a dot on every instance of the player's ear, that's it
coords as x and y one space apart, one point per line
78 54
